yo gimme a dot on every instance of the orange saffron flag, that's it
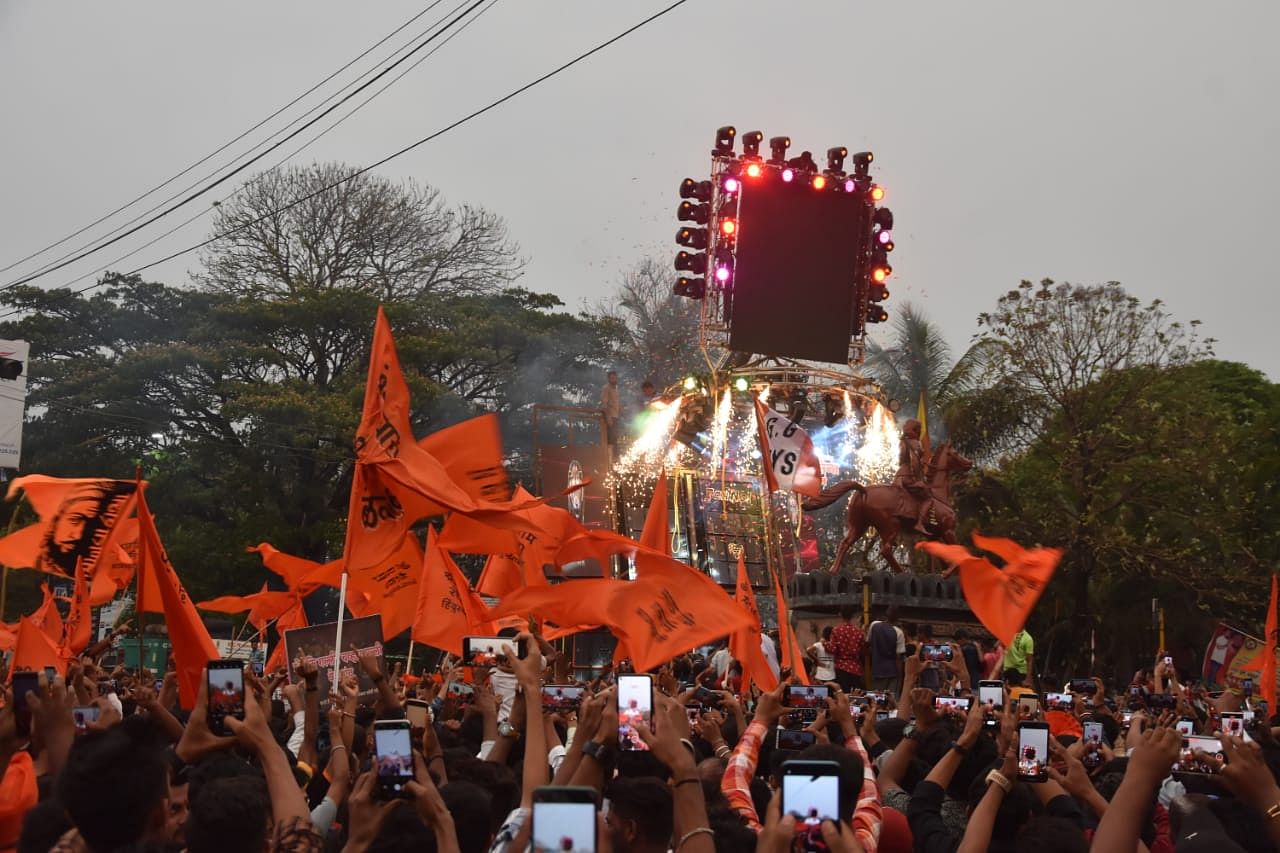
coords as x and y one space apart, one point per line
46 617
34 650
1002 599
78 629
189 640
294 617
263 606
397 482
789 652
471 452
1269 653
744 644
79 522
448 608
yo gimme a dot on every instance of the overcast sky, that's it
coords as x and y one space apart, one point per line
1087 141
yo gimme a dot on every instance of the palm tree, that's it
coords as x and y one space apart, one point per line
916 363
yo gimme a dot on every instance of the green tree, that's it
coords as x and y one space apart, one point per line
657 330
916 362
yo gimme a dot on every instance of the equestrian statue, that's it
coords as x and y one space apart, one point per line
918 500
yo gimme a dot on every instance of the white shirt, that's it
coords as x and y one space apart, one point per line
825 670
611 402
720 662
770 652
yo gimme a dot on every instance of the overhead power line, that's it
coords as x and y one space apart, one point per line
238 169
225 145
423 141
204 212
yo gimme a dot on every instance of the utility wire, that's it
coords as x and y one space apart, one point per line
247 163
225 145
424 140
201 213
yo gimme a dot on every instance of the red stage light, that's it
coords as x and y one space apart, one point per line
728 227
877 193
754 170
819 182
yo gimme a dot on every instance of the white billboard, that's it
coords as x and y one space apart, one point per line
13 400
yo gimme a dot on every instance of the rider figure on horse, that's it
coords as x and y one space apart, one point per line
913 459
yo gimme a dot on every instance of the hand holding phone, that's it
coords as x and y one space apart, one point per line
1033 752
393 756
811 793
225 685
564 818
635 705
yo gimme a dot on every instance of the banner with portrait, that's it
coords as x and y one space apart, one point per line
317 643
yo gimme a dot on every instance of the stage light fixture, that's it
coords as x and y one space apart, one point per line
876 192
862 162
877 293
850 185
686 262
728 227
788 174
694 238
741 383
778 146
819 182
701 190
879 273
754 170
884 219
731 185
691 288
885 239
693 420
722 274
724 141
876 314
835 159
690 212
751 143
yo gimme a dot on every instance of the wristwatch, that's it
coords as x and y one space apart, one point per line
593 749
909 733
505 729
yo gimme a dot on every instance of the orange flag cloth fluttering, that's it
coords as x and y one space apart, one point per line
744 644
1002 599
447 608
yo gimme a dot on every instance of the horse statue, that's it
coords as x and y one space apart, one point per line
891 509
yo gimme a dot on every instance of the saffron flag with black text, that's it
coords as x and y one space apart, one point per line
744 644
448 609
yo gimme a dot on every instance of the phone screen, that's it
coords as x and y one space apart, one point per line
460 691
795 739
807 699
1186 728
1028 704
564 826
881 699
226 694
936 652
694 712
83 716
1082 685
486 651
1187 760
393 745
415 710
635 705
1057 702
23 683
959 703
811 791
561 697
1093 732
1033 751
1233 723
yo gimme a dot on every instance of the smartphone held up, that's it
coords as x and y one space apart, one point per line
225 684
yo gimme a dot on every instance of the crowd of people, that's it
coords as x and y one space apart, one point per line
1145 765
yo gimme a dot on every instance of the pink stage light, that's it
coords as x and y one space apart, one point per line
731 185
722 274
787 175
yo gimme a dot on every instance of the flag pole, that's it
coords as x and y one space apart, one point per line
337 640
138 612
408 664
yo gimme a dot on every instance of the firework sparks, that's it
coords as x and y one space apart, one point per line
878 455
650 447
